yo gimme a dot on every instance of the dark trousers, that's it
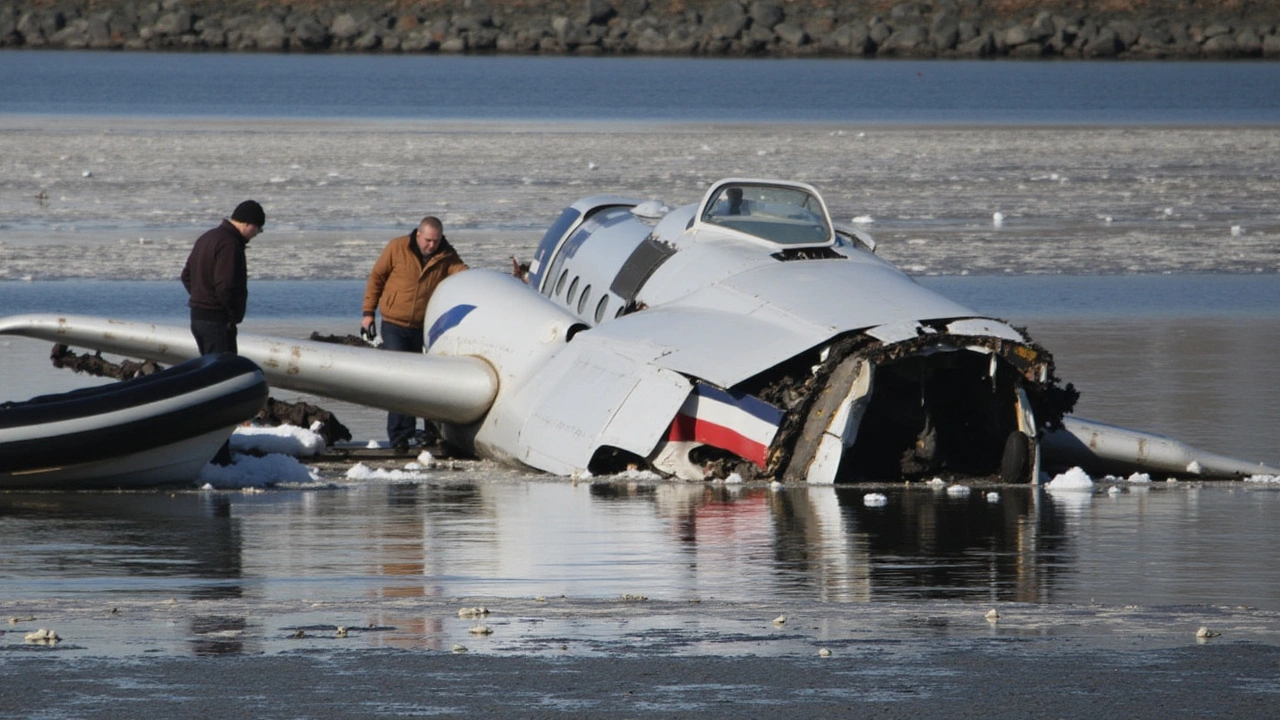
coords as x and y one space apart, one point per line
400 427
212 337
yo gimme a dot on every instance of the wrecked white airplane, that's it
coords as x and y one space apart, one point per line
747 333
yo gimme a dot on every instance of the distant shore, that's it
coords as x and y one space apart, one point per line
1023 29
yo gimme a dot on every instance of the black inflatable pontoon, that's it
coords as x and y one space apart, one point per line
149 430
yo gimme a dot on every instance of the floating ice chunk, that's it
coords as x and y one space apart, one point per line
635 474
1073 479
864 220
937 483
250 471
43 636
284 439
874 500
958 491
1138 478
1236 230
1194 467
372 445
997 219
592 166
1114 490
993 497
360 471
1168 211
733 479
1263 479
87 174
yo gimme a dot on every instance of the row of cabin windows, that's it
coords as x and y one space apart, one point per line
601 307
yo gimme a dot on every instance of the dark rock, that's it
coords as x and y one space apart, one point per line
1032 49
1248 44
599 12
790 34
879 31
1018 35
726 20
852 38
175 22
1043 27
1126 31
345 27
310 34
1271 46
1104 45
271 36
1220 46
978 47
910 41
766 14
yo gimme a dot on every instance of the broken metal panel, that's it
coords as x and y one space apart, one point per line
1027 426
985 327
839 435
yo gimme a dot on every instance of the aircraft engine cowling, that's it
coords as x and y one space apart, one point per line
498 318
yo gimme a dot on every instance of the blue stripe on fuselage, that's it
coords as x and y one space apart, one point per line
747 403
449 319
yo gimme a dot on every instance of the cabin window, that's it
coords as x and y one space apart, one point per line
601 308
573 292
582 301
560 283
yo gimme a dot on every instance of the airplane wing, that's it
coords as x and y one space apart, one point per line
1100 448
451 389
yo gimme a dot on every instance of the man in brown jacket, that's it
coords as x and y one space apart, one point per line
399 286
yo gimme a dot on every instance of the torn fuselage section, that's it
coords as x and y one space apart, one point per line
940 403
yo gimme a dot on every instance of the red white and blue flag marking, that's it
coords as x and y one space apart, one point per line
742 424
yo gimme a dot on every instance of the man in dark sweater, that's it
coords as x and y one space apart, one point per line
216 278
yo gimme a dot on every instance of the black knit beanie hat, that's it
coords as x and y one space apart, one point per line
250 212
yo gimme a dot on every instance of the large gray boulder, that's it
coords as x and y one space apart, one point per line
726 20
310 34
766 14
345 27
599 12
271 36
175 22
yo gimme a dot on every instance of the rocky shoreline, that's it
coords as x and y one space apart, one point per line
1086 29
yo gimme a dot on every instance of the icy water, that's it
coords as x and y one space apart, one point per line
624 89
580 566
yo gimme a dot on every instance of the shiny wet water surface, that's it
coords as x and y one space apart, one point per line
595 567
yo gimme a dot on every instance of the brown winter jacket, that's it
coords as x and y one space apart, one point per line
400 283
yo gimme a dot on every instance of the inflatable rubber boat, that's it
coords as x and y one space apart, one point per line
150 430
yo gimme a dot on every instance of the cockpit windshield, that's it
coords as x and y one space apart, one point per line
779 214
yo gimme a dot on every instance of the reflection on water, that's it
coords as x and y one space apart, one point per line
481 536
